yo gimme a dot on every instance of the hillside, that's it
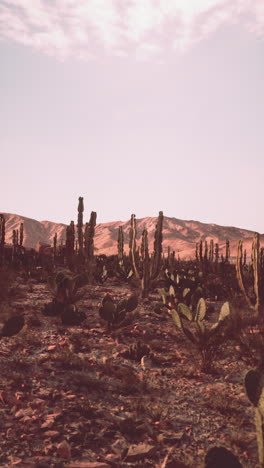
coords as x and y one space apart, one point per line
180 235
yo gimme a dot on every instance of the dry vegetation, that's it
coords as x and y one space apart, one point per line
89 396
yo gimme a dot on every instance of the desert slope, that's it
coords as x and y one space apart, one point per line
179 234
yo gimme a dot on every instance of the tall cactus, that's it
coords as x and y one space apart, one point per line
15 244
256 303
205 251
197 251
227 256
157 257
89 237
146 267
216 253
133 246
55 239
70 242
120 245
80 224
2 238
201 250
211 251
21 234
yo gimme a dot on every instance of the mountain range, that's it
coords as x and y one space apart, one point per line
180 235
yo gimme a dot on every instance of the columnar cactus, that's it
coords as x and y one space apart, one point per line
227 256
201 250
257 304
205 251
211 251
157 257
89 237
197 251
245 257
146 268
21 234
80 224
120 245
216 253
2 238
133 246
70 242
15 244
55 245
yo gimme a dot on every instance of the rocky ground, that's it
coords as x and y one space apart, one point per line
79 397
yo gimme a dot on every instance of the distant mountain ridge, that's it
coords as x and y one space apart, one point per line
180 235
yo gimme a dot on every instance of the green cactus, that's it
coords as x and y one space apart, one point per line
205 258
227 255
13 326
55 238
80 224
132 246
206 339
254 384
70 242
219 457
89 237
146 268
21 234
216 253
2 238
157 256
211 251
120 246
256 303
114 314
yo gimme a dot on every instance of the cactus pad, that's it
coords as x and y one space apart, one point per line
219 457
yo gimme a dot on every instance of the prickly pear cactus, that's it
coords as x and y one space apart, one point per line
254 383
219 457
13 326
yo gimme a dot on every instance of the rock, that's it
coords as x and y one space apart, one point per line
140 451
64 450
87 464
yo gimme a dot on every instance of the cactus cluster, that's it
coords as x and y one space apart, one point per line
208 256
146 269
207 339
257 301
115 314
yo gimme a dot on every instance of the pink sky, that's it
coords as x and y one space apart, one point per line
139 106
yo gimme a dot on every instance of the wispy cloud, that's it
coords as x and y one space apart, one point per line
143 28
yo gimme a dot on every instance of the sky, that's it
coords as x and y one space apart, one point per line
136 105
